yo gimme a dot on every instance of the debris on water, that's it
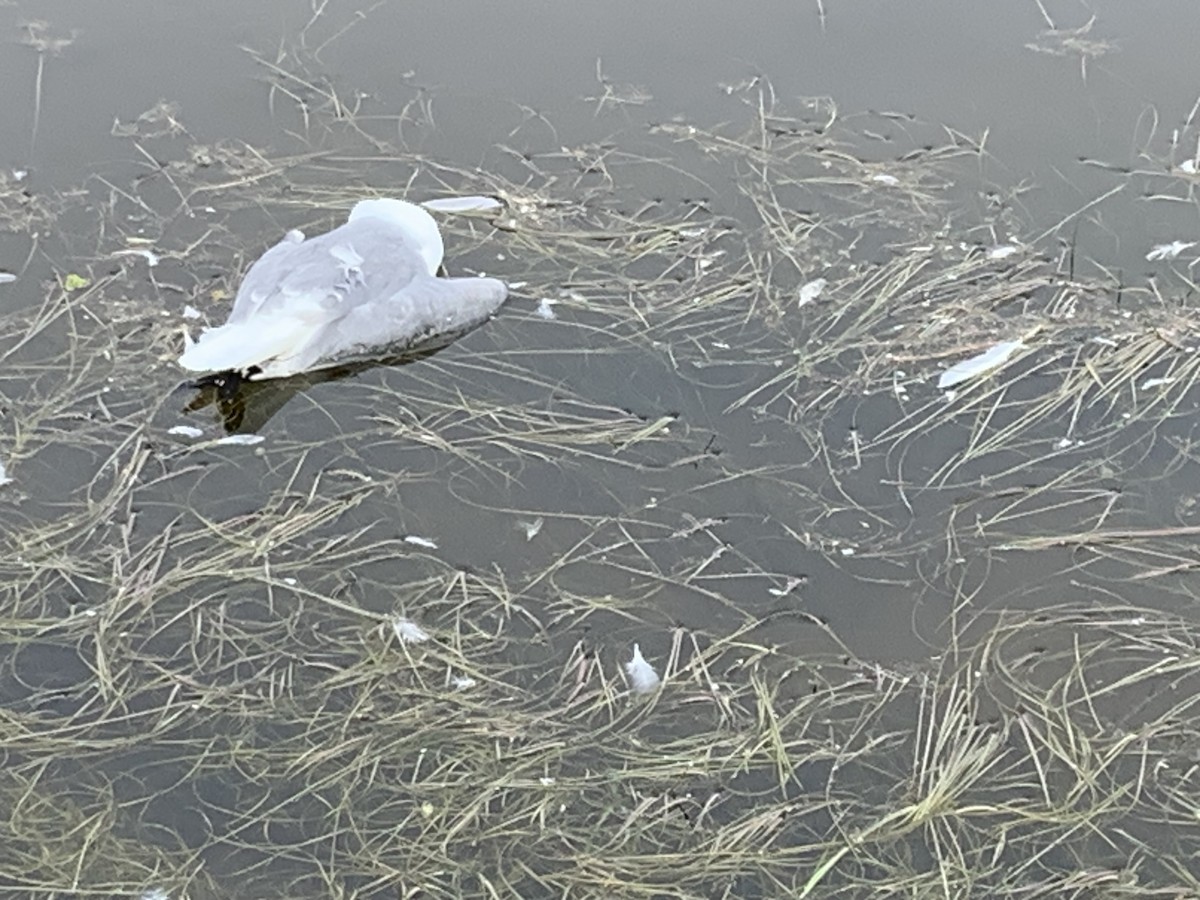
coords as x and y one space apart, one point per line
642 677
408 631
185 431
978 365
1002 251
533 528
889 180
1189 167
545 309
242 439
154 894
463 682
4 479
695 526
150 257
20 174
7 277
418 541
812 290
1168 251
1150 383
463 204
790 585
190 312
75 282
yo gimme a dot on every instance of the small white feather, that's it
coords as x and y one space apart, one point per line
1168 251
150 256
4 479
243 439
185 431
462 204
812 290
642 677
7 277
990 359
417 541
408 631
1002 251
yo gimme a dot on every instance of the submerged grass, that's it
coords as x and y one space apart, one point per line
343 662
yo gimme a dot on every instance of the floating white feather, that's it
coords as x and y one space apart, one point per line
242 439
462 204
642 677
1002 251
990 359
408 631
1168 251
812 290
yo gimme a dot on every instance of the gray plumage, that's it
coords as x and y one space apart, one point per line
367 288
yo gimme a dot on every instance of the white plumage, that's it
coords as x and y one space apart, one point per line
642 677
366 288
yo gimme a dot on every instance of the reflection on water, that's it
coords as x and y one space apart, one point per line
245 406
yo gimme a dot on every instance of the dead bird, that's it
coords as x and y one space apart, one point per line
368 288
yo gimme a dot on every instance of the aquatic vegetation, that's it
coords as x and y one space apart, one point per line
384 637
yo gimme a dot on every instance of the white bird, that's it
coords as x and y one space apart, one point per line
367 288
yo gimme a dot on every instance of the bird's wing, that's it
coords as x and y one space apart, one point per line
300 289
351 265
425 308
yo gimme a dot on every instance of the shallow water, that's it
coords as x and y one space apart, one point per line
723 476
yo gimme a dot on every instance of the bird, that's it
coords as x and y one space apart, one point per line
367 288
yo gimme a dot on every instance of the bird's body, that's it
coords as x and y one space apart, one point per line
367 288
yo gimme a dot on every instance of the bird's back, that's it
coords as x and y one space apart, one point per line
328 275
361 289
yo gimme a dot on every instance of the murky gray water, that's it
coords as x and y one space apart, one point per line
681 450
